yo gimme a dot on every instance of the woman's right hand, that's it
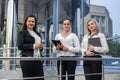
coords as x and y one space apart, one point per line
58 47
39 45
89 53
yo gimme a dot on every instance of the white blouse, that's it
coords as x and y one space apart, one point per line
37 40
71 41
104 49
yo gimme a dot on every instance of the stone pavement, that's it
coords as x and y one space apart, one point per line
17 75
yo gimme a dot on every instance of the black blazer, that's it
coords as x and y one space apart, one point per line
25 43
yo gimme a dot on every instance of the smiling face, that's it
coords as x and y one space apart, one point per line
66 25
92 26
30 23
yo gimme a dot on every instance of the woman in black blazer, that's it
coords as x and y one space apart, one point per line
29 42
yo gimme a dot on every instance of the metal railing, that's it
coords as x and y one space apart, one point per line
14 58
61 58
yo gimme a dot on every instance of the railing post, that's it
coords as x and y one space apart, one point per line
102 71
60 70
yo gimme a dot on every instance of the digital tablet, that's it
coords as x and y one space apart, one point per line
55 42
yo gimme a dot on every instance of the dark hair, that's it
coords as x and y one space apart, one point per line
66 19
25 26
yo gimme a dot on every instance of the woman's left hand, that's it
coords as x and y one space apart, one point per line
64 48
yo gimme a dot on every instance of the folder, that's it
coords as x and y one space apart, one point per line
95 41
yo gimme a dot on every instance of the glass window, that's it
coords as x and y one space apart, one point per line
97 18
102 19
102 30
92 16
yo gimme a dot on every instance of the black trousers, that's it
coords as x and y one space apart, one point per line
32 69
92 67
69 67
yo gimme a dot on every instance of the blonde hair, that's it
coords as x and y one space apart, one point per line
96 23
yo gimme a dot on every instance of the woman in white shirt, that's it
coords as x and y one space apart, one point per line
91 50
70 45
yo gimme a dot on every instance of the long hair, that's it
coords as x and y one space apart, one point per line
96 23
25 26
